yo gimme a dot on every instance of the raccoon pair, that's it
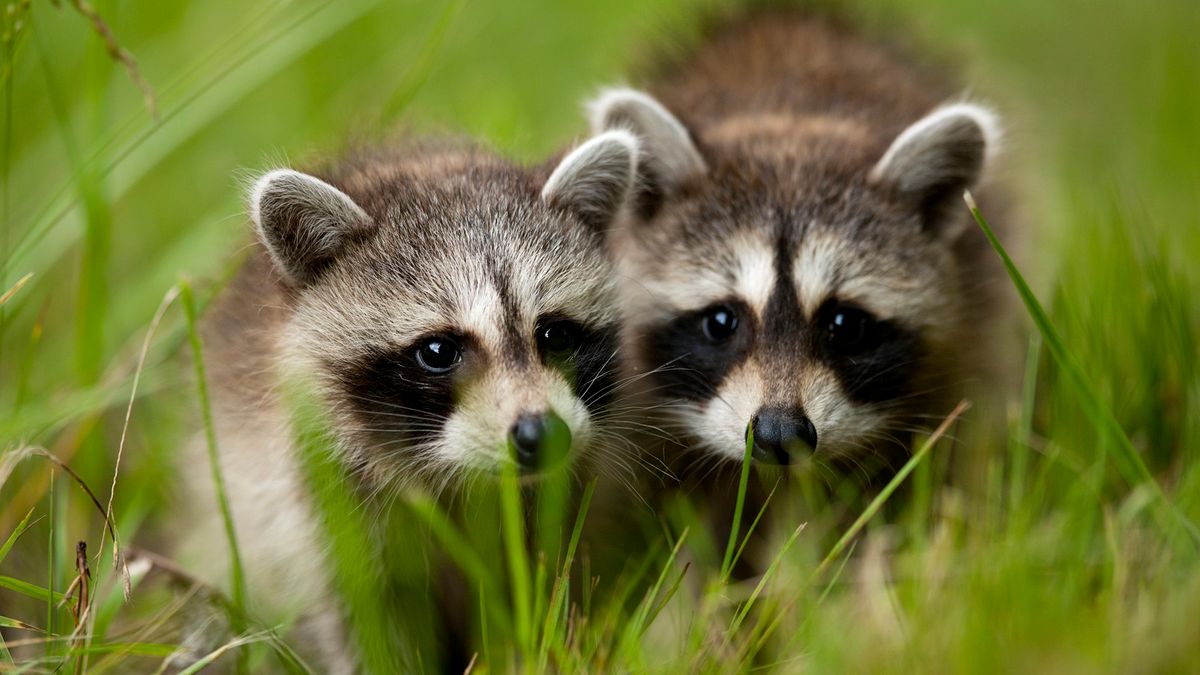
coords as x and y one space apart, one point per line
772 238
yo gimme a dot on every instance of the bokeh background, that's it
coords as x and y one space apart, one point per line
130 128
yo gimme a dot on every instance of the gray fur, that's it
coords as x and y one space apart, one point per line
802 163
386 247
303 221
670 158
595 179
940 156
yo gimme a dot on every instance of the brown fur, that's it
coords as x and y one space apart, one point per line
790 112
354 273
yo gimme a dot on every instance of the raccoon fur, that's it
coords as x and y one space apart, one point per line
798 259
444 302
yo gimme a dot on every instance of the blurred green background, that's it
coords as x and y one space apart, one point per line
106 205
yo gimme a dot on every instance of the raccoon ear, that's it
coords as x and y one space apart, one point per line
304 222
931 162
669 158
595 179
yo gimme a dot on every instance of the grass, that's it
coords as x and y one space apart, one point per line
1071 548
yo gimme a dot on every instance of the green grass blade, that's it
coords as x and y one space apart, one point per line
1126 457
560 594
885 494
192 114
378 633
217 653
743 482
518 558
1020 445
15 535
237 574
762 581
753 525
640 621
31 590
459 548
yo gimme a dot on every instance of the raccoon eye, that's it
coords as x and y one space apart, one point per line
439 355
850 329
720 323
558 337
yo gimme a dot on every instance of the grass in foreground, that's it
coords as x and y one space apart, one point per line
1074 553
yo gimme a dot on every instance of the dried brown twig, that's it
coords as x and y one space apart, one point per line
118 53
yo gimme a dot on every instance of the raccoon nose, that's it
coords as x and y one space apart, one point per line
778 432
527 435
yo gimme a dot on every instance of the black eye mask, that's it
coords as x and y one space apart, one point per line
697 350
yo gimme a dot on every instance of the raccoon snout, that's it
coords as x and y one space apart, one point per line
539 439
779 432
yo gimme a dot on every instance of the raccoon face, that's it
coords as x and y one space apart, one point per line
795 277
457 313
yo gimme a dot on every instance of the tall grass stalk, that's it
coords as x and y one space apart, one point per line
743 482
1128 460
237 581
513 521
379 636
886 493
560 595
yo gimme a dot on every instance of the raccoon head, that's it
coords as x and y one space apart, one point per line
800 276
454 311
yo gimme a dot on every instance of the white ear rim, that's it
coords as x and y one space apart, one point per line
984 117
319 186
333 213
616 147
664 140
616 98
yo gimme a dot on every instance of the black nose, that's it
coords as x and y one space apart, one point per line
528 435
778 432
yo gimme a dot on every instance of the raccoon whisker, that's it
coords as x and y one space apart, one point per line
627 482
390 417
624 447
622 472
952 438
629 451
399 429
635 426
621 463
709 464
925 416
390 405
640 410
893 441
853 457
631 379
629 487
699 379
824 472
659 469
601 370
869 376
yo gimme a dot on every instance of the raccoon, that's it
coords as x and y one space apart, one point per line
446 303
798 259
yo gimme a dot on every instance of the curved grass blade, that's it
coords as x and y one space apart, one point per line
1124 454
743 482
238 579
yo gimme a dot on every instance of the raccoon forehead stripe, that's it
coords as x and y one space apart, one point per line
756 273
815 271
481 312
826 267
